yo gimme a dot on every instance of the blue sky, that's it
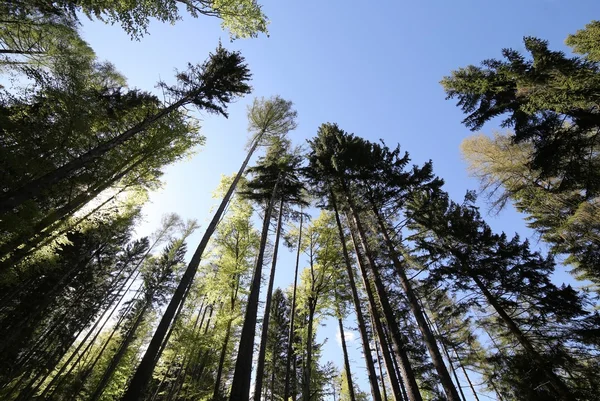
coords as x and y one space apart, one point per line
372 67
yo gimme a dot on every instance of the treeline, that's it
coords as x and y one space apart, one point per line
446 308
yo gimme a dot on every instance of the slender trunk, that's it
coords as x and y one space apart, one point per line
240 387
398 346
379 365
346 360
357 307
260 367
395 363
40 240
41 228
136 389
59 377
234 291
290 350
116 359
462 367
553 380
377 322
306 396
34 188
434 352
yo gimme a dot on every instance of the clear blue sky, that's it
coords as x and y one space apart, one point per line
372 67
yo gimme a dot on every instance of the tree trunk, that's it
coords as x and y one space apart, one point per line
412 387
136 389
260 367
306 396
34 188
434 352
116 359
290 350
553 380
240 387
462 367
357 307
217 389
377 322
41 227
346 360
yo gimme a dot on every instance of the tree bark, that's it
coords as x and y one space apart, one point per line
434 352
553 380
136 389
290 350
34 188
116 359
240 387
377 321
260 367
346 360
412 387
357 307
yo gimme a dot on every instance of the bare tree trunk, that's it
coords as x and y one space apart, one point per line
434 352
346 360
290 350
388 314
553 380
137 386
377 322
357 307
260 367
34 188
240 387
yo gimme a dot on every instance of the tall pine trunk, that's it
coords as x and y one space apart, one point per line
260 367
376 394
346 359
240 387
553 380
290 350
399 348
137 386
379 330
34 188
41 228
116 359
417 311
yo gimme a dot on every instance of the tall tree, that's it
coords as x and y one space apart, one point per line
267 118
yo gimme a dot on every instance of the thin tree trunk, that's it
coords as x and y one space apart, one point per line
399 348
136 389
377 345
434 352
240 387
34 188
553 380
260 367
306 396
376 394
116 359
41 228
462 367
40 240
290 350
217 389
377 321
346 360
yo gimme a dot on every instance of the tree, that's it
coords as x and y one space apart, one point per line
277 170
513 280
267 118
243 18
549 100
564 219
209 87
